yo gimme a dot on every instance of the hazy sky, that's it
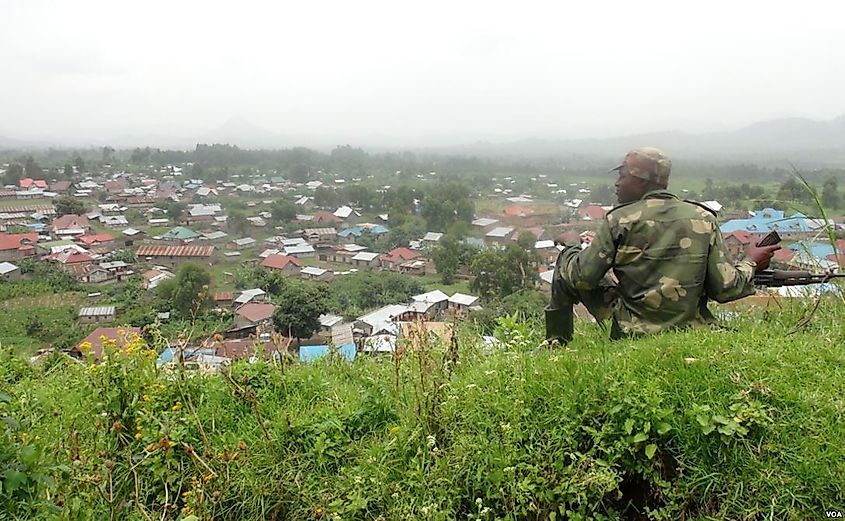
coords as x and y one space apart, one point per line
414 73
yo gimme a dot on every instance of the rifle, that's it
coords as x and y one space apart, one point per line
778 278
560 316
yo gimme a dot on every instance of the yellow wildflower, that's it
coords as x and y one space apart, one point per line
138 435
146 397
177 406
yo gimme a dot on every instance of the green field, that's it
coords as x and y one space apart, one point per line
740 423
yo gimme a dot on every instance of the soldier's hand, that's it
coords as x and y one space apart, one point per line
570 238
761 255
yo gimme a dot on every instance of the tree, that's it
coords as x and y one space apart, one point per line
446 203
79 164
13 174
526 240
446 256
830 195
283 211
298 311
238 222
68 171
69 205
187 293
108 154
32 169
174 210
498 273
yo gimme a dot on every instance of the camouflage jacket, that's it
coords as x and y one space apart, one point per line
669 258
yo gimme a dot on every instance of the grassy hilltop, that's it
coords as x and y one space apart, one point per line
741 423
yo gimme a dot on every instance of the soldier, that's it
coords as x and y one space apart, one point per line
666 255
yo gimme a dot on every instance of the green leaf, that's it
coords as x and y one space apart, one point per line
703 420
663 428
14 479
718 418
707 429
5 397
29 455
11 422
647 427
650 449
629 426
640 437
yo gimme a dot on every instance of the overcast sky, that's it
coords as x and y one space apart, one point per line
414 73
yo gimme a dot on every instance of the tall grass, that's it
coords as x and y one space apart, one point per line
741 423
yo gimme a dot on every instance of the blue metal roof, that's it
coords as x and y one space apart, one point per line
311 353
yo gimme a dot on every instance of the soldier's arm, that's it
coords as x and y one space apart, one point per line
726 280
584 269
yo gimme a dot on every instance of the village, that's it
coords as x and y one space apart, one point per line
115 227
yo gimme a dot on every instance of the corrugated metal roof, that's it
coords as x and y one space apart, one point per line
98 311
156 250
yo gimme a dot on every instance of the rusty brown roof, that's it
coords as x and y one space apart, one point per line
158 250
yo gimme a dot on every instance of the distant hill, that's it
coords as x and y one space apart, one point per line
239 131
775 140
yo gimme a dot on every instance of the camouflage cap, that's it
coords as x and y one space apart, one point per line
647 163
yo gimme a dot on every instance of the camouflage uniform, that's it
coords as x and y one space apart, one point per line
669 258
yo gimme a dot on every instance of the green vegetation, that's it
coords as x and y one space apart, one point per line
699 424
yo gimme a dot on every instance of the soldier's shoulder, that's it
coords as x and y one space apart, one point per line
707 210
624 208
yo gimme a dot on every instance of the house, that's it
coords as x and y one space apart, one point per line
216 236
366 259
431 237
518 211
461 304
315 273
283 263
320 235
152 278
347 215
17 245
547 251
323 217
116 186
416 267
28 184
181 234
94 342
769 219
237 349
484 222
592 212
301 252
254 314
131 236
250 295
223 299
737 240
173 255
9 271
115 221
242 244
396 257
61 187
500 235
95 239
328 321
200 213
90 315
70 257
70 225
311 353
381 321
438 300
